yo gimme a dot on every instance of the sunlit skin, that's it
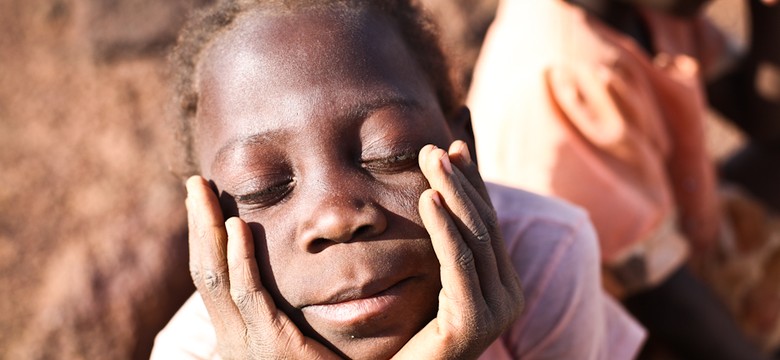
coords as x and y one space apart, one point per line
311 125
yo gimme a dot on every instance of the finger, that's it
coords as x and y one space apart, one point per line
255 304
208 237
468 220
208 264
460 282
461 157
194 251
270 333
471 181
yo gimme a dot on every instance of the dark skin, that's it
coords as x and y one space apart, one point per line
350 240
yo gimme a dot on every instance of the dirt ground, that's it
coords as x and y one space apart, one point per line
93 254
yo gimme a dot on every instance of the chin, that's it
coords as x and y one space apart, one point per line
375 339
378 337
374 326
371 348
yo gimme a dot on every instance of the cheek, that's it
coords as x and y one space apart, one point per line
403 198
281 262
283 253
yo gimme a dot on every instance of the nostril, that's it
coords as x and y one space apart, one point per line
361 231
319 245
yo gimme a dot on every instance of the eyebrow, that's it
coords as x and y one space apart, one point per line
365 110
361 111
232 145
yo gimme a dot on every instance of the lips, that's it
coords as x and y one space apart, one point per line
355 306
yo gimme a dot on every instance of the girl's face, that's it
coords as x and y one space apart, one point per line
310 125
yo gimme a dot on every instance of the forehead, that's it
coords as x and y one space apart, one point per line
273 71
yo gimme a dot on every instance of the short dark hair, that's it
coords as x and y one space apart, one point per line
417 30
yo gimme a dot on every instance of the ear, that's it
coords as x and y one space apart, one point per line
460 127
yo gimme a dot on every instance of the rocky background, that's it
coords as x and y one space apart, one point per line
93 254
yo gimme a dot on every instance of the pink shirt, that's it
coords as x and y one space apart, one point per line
555 251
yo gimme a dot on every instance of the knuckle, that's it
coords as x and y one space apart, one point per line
241 298
214 281
196 275
465 260
482 235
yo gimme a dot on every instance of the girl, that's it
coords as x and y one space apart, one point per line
350 231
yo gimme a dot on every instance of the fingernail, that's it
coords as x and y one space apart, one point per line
190 183
465 153
423 155
436 199
445 163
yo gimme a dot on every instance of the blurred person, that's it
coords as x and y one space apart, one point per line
603 103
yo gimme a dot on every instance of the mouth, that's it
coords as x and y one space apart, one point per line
354 307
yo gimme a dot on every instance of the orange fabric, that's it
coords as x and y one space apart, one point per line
565 106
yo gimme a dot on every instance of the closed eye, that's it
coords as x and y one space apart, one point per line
391 164
266 196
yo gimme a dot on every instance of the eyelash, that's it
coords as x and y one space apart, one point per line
267 196
275 193
393 164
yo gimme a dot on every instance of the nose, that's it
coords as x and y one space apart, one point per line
340 217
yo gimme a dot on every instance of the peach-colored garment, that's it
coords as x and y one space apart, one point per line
555 252
565 106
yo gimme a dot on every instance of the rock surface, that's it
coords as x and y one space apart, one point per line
93 252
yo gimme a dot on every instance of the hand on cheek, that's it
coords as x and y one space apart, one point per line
223 266
481 295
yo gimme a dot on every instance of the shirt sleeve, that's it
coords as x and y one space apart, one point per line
567 314
188 336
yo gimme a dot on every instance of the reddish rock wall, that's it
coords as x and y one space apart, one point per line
93 255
